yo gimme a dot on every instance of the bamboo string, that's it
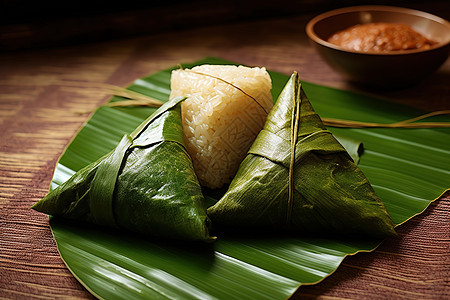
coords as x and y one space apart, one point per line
142 100
137 99
431 114
409 123
223 80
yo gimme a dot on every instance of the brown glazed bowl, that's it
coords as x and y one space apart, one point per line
395 69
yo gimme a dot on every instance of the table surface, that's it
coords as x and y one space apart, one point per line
39 115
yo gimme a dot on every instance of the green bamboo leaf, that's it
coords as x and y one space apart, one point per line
353 147
407 168
297 177
119 190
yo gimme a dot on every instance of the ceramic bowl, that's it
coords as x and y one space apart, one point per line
386 69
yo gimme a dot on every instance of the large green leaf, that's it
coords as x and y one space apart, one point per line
408 168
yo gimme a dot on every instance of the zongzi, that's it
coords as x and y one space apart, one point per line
297 177
225 109
147 184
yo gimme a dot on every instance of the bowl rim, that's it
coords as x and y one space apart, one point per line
314 37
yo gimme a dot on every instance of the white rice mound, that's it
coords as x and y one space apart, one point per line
220 121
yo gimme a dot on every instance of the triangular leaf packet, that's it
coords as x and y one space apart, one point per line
296 177
147 184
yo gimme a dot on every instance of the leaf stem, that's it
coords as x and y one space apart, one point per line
294 137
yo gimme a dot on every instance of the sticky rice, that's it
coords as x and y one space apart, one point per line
225 110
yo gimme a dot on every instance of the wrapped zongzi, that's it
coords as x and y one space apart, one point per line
297 177
147 184
226 108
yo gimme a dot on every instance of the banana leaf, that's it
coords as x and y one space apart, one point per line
407 168
297 177
146 184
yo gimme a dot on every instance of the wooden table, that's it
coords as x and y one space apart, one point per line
39 115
